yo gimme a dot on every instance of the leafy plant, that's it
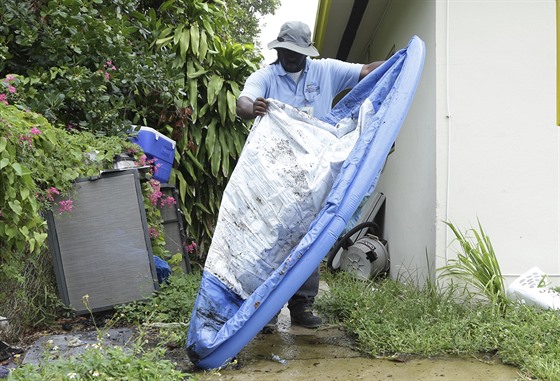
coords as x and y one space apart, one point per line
103 363
169 308
478 266
173 65
208 133
39 164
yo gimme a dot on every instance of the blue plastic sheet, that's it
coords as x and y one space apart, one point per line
230 310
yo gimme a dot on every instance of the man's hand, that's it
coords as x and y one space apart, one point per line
260 107
368 68
248 109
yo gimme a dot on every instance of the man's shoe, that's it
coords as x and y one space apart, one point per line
270 326
306 319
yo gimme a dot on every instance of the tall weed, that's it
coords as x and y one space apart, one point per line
477 265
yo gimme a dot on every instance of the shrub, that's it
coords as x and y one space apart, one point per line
38 162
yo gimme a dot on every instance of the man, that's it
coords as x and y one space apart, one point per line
309 85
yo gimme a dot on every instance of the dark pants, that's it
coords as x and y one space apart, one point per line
305 296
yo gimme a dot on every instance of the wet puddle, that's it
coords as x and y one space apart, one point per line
295 353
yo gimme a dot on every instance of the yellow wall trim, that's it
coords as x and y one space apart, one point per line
323 10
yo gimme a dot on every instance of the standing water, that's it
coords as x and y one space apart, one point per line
296 353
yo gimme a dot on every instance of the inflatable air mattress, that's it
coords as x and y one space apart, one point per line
297 184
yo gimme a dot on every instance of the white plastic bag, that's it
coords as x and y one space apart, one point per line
283 176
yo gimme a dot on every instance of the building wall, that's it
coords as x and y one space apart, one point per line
409 178
499 144
480 141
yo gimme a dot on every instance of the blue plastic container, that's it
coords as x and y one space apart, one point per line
158 147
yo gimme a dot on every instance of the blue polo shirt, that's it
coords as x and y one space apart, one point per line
320 82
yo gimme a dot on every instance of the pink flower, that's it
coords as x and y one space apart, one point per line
3 97
154 197
142 160
11 89
52 191
154 233
109 65
9 78
25 138
169 201
66 206
35 131
155 167
191 248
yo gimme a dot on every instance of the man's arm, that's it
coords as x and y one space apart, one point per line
368 68
247 109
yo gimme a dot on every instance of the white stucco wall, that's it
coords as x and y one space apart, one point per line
480 140
500 144
409 177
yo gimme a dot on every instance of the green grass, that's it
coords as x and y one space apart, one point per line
171 305
389 317
99 363
386 317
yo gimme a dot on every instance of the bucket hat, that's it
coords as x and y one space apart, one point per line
295 36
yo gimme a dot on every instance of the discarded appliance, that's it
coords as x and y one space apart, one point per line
101 248
533 288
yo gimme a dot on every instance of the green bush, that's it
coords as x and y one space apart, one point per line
74 71
172 65
88 64
38 165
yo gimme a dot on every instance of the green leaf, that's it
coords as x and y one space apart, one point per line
210 140
177 34
182 184
184 43
24 193
193 94
214 87
195 39
194 161
17 168
225 151
203 46
215 160
234 88
15 206
222 106
4 162
163 41
238 141
232 105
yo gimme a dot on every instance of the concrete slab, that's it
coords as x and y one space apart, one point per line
73 344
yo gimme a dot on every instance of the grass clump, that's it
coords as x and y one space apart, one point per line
103 363
168 310
389 317
478 266
160 321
